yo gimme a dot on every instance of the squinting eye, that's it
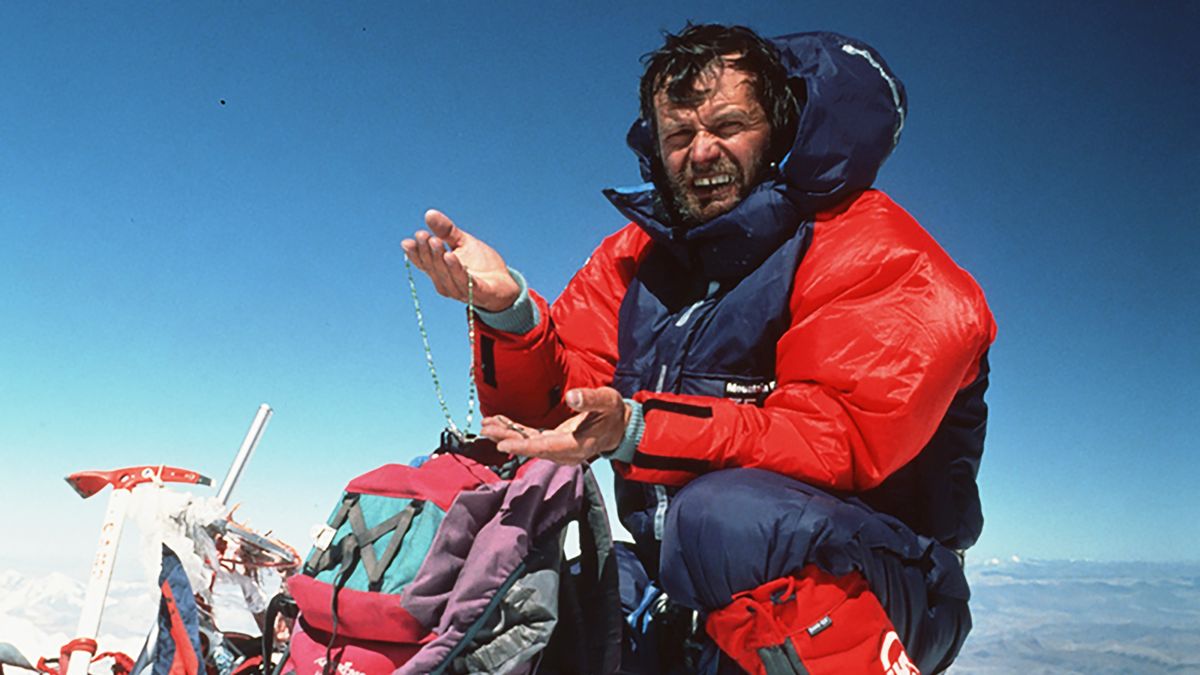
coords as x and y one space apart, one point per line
679 139
730 128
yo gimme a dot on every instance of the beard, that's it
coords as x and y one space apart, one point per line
697 204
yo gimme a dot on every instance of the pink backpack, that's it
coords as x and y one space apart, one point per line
457 565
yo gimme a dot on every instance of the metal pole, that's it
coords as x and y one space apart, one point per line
248 445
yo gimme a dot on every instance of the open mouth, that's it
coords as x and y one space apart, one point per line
715 188
713 182
702 196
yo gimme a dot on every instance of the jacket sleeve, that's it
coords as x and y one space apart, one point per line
573 345
884 330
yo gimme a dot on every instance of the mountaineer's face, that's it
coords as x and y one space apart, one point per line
714 145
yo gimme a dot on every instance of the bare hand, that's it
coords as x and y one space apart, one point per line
494 288
599 427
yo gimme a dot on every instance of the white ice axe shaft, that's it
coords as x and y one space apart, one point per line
98 582
123 481
257 427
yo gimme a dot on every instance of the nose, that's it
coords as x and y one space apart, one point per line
705 148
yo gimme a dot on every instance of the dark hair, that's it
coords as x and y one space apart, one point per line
674 67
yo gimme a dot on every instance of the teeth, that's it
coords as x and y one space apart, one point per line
714 180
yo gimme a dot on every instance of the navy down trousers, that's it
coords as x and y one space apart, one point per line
735 530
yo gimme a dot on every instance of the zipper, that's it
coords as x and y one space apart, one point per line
661 498
687 314
660 511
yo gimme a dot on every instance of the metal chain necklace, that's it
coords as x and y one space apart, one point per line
465 432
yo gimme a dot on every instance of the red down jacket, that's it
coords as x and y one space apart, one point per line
884 331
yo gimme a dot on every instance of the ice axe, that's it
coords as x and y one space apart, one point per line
249 443
78 652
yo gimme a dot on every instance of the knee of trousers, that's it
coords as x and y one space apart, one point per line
729 531
733 531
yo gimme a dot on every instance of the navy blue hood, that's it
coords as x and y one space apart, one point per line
854 108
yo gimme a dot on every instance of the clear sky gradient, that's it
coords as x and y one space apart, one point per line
202 204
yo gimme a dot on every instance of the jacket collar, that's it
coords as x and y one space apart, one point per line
851 122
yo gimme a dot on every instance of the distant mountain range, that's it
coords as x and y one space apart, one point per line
1055 616
1031 617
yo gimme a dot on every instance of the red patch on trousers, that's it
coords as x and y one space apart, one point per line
814 623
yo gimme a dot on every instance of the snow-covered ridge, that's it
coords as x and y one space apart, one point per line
39 613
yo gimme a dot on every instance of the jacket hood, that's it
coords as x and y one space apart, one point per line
853 112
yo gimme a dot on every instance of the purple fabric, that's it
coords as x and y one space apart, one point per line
486 534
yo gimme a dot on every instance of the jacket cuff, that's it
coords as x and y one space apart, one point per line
633 435
521 318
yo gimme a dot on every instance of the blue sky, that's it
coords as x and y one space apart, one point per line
202 204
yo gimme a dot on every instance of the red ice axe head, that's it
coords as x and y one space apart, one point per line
88 483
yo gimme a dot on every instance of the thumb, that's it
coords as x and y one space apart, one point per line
444 228
593 400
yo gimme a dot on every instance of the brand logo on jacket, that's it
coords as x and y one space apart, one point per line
749 392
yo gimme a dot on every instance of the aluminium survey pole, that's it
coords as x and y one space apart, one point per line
253 436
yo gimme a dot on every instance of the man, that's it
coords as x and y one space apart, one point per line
785 370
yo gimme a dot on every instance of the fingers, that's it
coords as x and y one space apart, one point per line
419 250
557 446
429 254
600 399
599 426
456 276
544 444
603 417
494 288
500 428
444 228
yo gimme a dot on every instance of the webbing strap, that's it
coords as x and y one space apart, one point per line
403 523
330 557
366 537
281 604
330 666
782 659
358 545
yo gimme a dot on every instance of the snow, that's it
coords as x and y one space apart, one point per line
38 614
